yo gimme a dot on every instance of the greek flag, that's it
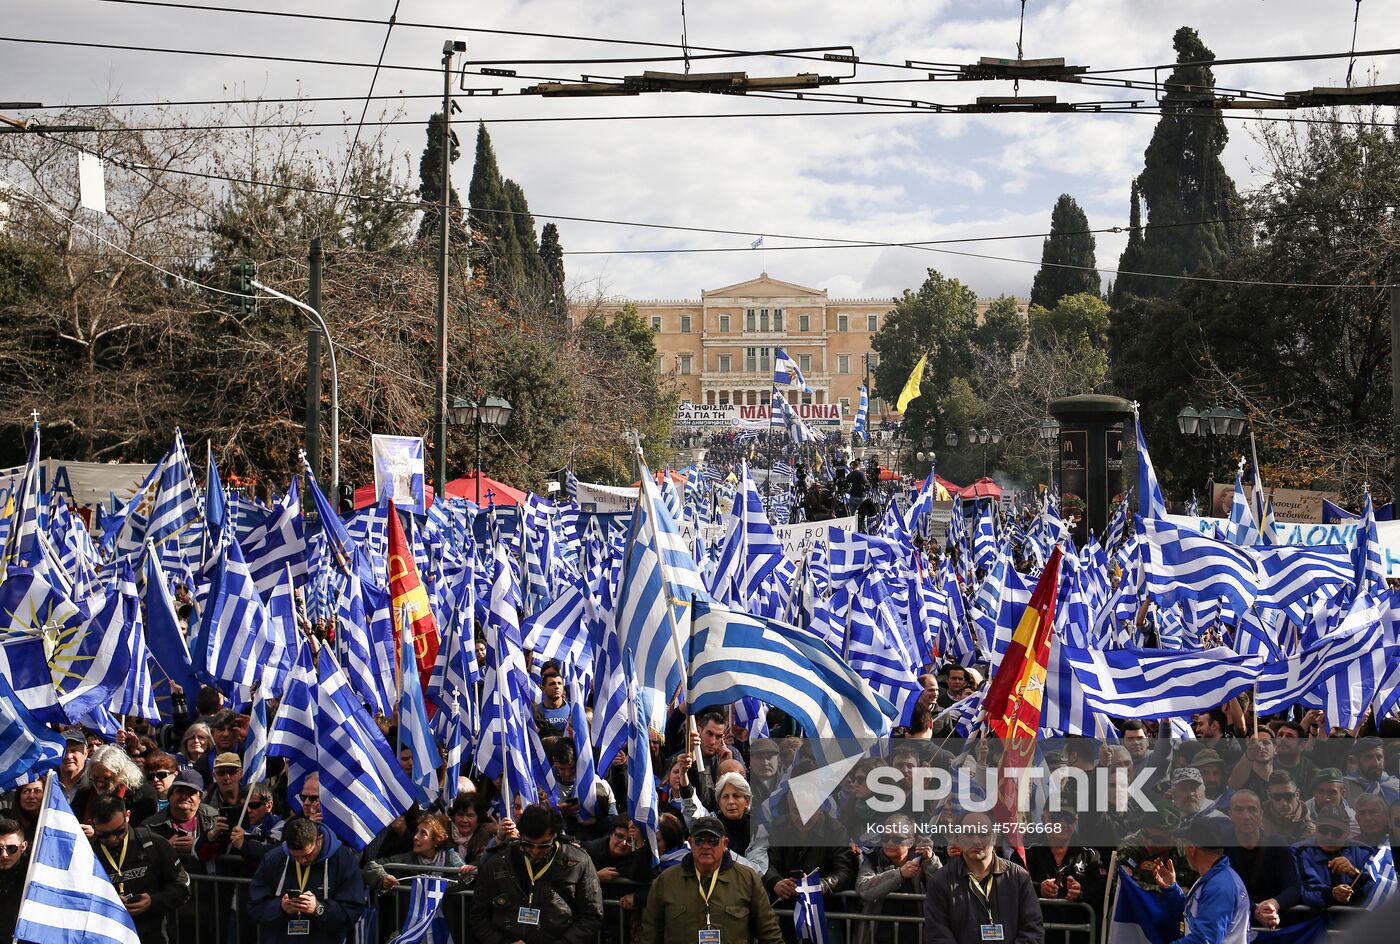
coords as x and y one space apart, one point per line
338 540
878 650
1368 560
69 899
984 540
22 538
586 772
1184 565
641 780
1151 504
176 504
736 655
280 542
27 747
809 910
293 732
1290 574
786 372
255 750
610 699
1242 530
862 416
234 622
90 661
413 725
425 924
165 638
136 696
571 484
1157 683
784 415
1380 869
363 788
657 585
273 653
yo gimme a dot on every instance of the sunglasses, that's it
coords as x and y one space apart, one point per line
531 844
1282 796
1331 831
309 798
162 775
258 803
109 834
10 850
704 840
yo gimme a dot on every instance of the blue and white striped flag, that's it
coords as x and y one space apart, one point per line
165 638
363 788
27 747
653 607
786 372
1182 564
136 696
1157 683
809 910
234 623
255 748
425 923
414 732
1242 530
1368 560
1290 574
642 802
862 416
784 415
68 898
176 503
278 543
22 534
586 772
1151 504
90 661
610 699
293 732
1380 869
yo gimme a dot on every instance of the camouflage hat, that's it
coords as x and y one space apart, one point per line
1165 817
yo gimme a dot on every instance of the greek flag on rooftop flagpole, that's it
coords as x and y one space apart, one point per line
68 898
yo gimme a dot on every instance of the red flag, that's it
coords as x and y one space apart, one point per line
409 601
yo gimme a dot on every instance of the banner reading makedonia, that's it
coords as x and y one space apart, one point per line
80 483
692 417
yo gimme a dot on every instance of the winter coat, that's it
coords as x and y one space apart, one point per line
567 896
333 877
952 915
152 868
739 907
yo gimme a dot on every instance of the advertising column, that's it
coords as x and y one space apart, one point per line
1090 458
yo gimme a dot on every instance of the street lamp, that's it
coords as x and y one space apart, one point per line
493 411
1212 423
1049 431
984 437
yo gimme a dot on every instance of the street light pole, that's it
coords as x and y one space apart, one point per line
449 48
320 322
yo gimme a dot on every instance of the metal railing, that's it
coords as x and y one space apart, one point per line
217 914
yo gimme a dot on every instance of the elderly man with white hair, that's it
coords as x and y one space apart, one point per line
110 771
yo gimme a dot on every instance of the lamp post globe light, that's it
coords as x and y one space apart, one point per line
1049 431
1213 423
493 411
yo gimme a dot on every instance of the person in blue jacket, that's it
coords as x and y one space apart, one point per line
309 889
1329 864
1216 911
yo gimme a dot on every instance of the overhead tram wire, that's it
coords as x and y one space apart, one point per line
364 112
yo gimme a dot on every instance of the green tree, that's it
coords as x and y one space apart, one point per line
1003 331
552 256
431 170
1190 198
1077 320
1067 257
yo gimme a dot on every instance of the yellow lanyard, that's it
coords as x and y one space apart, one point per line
983 895
536 876
705 893
118 864
302 874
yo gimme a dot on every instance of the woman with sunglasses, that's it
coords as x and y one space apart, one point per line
160 774
903 862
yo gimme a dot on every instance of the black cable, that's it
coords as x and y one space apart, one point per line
1355 21
364 112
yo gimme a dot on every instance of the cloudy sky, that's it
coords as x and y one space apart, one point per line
894 176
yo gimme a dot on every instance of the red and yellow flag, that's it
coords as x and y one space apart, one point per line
1015 696
409 601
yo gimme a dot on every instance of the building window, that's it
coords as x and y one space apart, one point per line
845 405
804 323
804 363
656 322
877 406
724 324
843 362
763 319
683 363
685 324
724 367
724 398
660 363
843 322
872 323
778 319
750 319
758 359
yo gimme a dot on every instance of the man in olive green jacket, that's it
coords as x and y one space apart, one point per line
709 891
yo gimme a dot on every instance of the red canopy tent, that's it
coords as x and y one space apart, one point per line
500 492
952 489
982 488
677 478
889 475
365 496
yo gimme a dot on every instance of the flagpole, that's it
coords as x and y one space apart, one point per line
38 837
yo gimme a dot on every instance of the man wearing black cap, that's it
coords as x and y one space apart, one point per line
1330 866
708 897
1217 909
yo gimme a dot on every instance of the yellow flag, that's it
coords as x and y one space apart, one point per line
911 386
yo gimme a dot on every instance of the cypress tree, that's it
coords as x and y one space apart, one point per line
490 224
1069 244
524 266
552 256
1183 182
430 172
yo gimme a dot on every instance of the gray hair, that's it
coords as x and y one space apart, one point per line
735 780
119 762
199 727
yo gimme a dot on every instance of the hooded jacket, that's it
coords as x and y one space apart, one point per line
566 895
333 877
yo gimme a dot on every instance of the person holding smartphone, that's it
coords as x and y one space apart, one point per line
309 889
143 867
903 862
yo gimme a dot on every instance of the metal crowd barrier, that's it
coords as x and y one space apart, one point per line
215 914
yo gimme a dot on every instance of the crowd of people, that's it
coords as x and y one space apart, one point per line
1282 814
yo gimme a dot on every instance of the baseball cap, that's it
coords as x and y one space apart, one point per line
1206 756
1327 774
228 759
1183 774
1165 816
190 779
708 826
1333 815
75 735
